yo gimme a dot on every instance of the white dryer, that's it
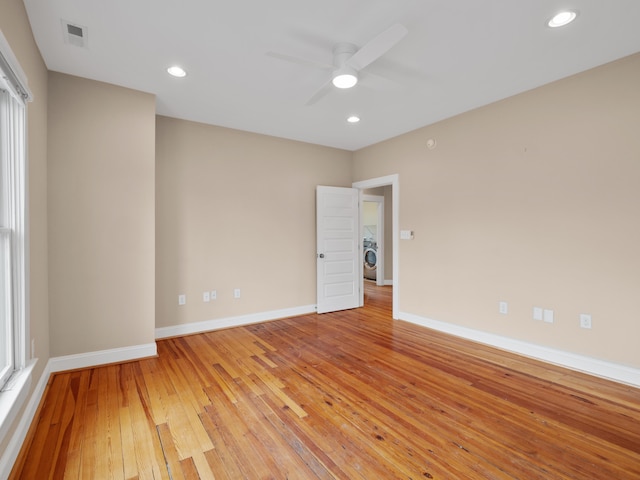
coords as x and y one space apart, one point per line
370 258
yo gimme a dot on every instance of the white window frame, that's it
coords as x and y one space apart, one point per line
7 362
15 227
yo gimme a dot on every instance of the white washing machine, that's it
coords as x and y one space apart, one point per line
370 259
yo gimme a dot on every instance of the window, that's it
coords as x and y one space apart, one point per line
13 238
6 313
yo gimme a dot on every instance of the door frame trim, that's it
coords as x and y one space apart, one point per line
394 181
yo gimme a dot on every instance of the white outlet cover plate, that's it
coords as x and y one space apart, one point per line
503 307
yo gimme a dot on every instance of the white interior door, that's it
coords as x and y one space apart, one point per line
337 244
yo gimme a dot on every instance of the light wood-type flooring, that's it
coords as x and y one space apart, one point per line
347 395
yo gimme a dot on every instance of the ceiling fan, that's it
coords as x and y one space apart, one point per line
349 60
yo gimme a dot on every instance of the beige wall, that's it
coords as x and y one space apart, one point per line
236 210
101 215
15 27
534 201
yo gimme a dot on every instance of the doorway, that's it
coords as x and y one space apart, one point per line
373 235
393 182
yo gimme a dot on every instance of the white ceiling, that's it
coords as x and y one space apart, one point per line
458 55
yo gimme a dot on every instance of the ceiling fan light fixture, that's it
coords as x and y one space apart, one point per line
563 18
345 78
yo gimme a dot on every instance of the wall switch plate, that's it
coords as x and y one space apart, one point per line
182 299
236 293
503 308
206 297
406 234
214 295
547 316
585 320
537 313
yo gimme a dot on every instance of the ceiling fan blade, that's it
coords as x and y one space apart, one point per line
321 93
377 46
380 83
300 61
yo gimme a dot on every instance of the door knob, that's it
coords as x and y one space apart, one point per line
321 255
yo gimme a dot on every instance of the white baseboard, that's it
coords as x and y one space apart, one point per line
592 366
12 451
102 357
388 282
228 322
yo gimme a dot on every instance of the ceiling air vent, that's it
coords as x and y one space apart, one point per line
74 34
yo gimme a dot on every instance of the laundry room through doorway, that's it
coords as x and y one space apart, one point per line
376 237
387 255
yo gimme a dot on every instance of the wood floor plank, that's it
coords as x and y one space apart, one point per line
345 395
220 459
130 467
190 470
149 456
79 388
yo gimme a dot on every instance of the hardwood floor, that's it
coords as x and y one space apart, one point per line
346 395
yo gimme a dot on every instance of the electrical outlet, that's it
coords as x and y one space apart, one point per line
503 308
206 297
214 294
236 293
585 320
182 299
537 313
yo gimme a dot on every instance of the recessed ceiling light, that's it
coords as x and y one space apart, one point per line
176 71
563 18
353 119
